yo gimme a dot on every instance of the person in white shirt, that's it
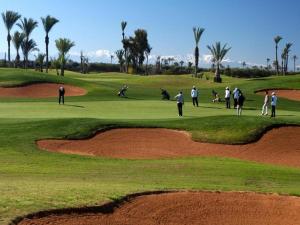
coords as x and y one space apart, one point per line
180 102
194 95
273 104
265 105
227 97
236 93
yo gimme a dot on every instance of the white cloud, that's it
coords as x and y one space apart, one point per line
97 55
206 59
103 55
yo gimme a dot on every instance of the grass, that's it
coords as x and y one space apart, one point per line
33 180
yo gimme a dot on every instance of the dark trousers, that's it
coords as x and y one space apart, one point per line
195 101
179 106
227 103
61 99
273 111
235 102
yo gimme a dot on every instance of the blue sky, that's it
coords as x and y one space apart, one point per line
94 25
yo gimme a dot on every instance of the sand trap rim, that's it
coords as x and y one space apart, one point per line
94 132
40 89
108 207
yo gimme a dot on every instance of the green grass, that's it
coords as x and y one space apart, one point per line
33 180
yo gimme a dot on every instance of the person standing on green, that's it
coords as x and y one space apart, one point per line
194 95
61 95
273 104
180 102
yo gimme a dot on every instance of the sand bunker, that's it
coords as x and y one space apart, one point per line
289 94
41 90
279 146
186 208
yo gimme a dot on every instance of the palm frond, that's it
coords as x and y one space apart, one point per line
10 18
27 26
48 23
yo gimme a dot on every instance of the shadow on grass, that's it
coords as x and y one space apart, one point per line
77 106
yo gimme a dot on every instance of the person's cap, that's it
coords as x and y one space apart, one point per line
194 87
273 93
227 88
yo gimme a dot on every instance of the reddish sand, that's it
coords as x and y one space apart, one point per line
279 146
188 208
289 94
42 90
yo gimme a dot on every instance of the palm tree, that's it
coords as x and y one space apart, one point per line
147 53
55 64
197 35
277 39
287 50
268 61
9 19
181 64
295 59
17 40
63 45
111 58
48 23
125 45
283 57
40 60
120 54
244 64
218 52
123 26
27 47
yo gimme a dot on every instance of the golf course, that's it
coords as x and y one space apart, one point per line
36 177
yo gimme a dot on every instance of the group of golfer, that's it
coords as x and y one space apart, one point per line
238 100
237 95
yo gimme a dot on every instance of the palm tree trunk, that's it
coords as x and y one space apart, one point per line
62 69
196 60
286 63
47 50
277 63
217 77
17 60
147 65
8 44
294 65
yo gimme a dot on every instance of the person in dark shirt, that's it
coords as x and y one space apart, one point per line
61 95
165 94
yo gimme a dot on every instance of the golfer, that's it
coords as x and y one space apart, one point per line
265 105
236 93
194 95
273 104
180 102
61 95
240 103
227 97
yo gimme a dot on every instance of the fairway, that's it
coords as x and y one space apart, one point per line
33 180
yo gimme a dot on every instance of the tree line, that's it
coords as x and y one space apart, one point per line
22 40
131 58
